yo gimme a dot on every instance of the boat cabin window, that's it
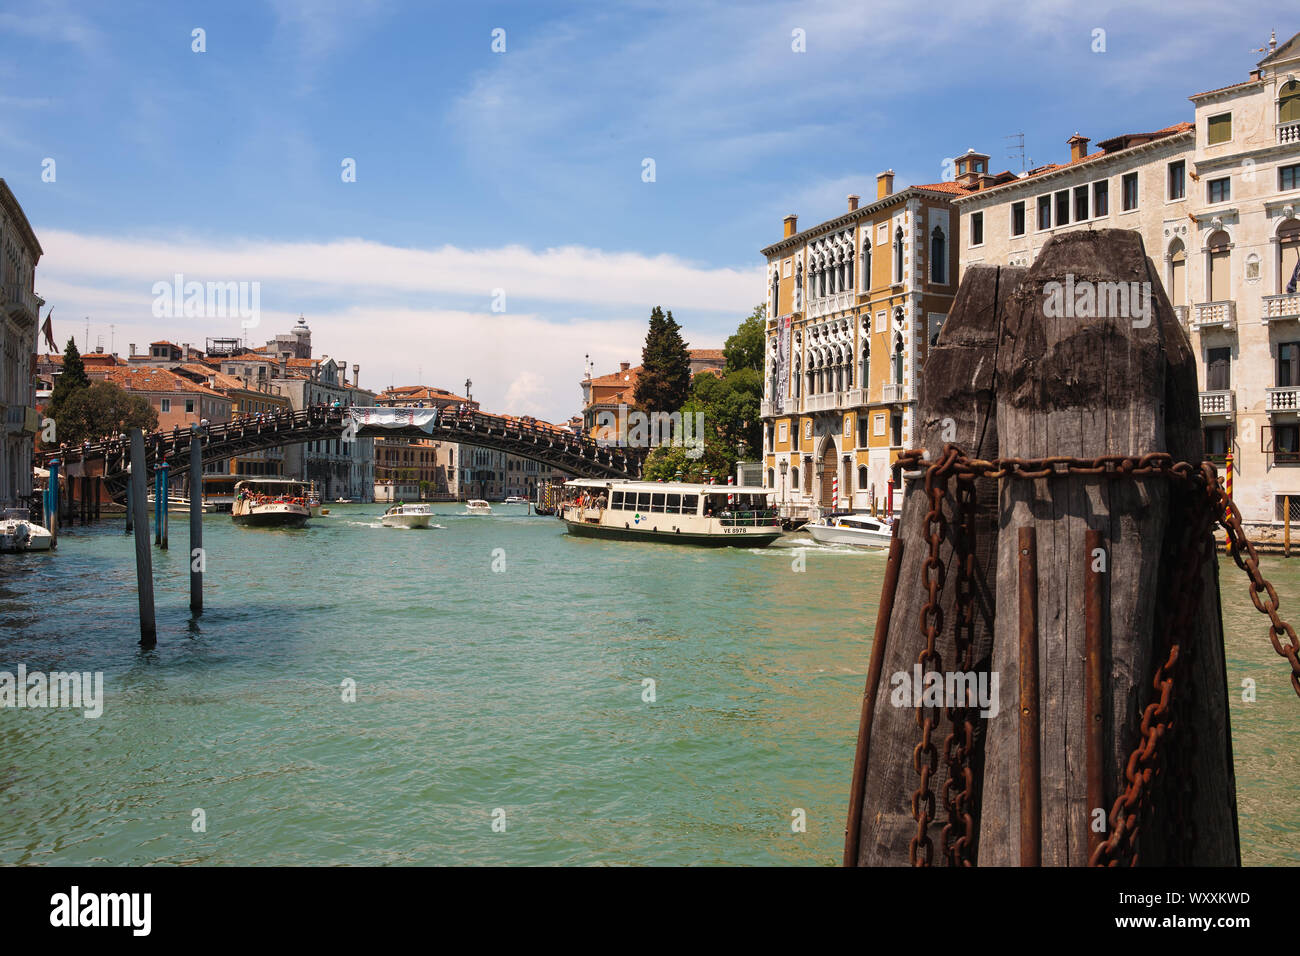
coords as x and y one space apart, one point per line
643 501
690 504
657 502
674 504
617 501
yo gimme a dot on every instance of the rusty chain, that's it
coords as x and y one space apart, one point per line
959 798
1207 504
920 849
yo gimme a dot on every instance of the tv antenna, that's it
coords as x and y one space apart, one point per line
1017 148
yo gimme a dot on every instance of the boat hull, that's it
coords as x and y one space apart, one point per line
861 539
273 519
406 521
755 539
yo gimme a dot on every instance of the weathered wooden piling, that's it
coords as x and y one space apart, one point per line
138 505
197 557
1080 587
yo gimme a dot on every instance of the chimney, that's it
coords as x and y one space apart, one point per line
356 375
1078 147
853 201
133 348
791 225
624 366
885 184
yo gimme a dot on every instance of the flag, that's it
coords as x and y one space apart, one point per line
1295 279
48 331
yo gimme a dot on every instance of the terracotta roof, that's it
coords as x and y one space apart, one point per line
955 188
164 342
155 380
1222 89
706 353
614 378
223 381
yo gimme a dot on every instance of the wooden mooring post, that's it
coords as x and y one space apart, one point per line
1049 567
138 506
198 558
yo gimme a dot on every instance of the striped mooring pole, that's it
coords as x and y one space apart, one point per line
835 492
1227 487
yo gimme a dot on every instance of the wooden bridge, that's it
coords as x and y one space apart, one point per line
549 446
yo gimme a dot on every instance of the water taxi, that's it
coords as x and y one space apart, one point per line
477 506
516 500
19 533
677 512
271 502
407 516
860 530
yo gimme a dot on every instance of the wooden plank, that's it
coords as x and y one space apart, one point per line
956 404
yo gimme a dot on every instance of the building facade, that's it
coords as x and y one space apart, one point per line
854 303
18 333
1217 204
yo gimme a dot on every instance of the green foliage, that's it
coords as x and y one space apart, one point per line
744 350
72 379
102 409
664 384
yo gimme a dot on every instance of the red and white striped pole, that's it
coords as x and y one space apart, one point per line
835 493
731 499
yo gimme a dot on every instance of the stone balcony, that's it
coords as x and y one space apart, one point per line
18 298
1281 308
829 304
891 392
1218 403
1288 133
1181 314
1283 399
1214 315
825 402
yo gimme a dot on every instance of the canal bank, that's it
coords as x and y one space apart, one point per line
521 689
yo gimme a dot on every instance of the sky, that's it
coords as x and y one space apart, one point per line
502 222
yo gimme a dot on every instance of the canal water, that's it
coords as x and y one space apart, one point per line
503 708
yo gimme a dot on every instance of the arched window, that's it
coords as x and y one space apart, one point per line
1218 272
866 265
1288 103
794 478
898 360
1288 256
1177 273
848 266
862 477
938 257
776 293
898 254
866 363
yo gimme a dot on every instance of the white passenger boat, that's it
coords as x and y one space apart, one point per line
677 512
271 502
19 533
477 506
407 516
861 530
516 500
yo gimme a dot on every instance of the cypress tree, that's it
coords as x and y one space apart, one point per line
72 379
664 384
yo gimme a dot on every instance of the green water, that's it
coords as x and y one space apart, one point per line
519 689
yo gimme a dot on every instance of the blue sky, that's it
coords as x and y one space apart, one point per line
522 170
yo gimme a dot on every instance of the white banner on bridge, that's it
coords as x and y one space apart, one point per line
421 418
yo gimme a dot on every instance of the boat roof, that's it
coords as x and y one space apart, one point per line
623 484
271 481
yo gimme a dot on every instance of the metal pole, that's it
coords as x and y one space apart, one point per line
1093 690
138 504
52 526
197 558
1030 780
853 832
162 503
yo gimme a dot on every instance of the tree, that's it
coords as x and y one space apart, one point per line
72 380
664 384
103 409
745 348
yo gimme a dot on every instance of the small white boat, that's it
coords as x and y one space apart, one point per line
861 530
516 500
477 506
407 516
19 533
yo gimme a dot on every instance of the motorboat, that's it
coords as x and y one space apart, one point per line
407 516
516 500
19 533
271 502
855 529
477 506
670 511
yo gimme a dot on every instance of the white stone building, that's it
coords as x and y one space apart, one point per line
18 340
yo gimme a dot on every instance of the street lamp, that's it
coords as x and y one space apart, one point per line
785 467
